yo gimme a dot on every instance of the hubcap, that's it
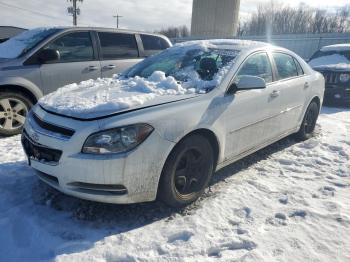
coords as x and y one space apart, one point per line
189 177
12 113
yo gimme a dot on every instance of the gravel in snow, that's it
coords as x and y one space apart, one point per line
288 202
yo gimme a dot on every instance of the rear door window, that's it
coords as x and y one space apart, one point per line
73 47
285 66
118 45
151 42
299 68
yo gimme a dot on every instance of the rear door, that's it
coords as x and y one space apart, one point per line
78 61
293 89
118 52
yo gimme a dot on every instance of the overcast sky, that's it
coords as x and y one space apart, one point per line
148 15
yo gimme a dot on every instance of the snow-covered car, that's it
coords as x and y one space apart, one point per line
165 125
38 61
334 63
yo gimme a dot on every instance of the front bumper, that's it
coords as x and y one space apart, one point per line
121 178
337 93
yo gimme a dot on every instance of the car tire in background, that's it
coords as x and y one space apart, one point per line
14 108
187 171
309 122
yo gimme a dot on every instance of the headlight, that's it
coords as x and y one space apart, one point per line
344 78
117 140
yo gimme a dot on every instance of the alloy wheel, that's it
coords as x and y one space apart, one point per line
12 113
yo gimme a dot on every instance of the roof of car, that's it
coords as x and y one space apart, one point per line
338 47
77 28
234 44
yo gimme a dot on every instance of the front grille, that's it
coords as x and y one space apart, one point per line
53 128
331 77
39 152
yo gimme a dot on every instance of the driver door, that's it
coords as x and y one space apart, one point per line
251 112
77 62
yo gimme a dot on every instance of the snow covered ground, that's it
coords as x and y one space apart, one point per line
288 202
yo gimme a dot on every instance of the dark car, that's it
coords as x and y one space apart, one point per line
334 63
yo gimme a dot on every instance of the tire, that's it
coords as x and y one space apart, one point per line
309 122
14 108
186 172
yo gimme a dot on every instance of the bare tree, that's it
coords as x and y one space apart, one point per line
276 18
175 32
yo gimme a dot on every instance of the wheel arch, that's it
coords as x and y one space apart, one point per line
20 89
210 136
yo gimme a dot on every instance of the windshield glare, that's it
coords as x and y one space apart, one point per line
194 67
24 42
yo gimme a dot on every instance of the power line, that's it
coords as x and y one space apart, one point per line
30 11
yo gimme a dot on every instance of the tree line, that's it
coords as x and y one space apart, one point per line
276 18
175 31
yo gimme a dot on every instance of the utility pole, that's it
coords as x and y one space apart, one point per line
74 10
117 17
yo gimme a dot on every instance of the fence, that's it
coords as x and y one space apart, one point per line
302 44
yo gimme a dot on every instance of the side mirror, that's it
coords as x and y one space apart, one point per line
48 55
246 83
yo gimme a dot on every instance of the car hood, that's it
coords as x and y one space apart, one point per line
100 98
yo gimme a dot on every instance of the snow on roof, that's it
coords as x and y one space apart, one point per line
338 47
224 44
15 46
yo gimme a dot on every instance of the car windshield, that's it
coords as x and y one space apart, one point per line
195 66
330 57
24 42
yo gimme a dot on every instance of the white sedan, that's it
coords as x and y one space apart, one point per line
162 128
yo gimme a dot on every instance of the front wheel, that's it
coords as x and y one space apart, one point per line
14 108
186 172
309 122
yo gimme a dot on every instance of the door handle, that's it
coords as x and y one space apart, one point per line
306 85
109 67
275 93
92 68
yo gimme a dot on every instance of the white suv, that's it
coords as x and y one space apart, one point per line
164 126
41 60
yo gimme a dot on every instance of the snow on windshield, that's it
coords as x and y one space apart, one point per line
339 59
23 42
173 72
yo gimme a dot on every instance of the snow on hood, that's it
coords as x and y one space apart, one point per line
101 97
334 61
95 98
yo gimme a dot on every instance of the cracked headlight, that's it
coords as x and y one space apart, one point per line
344 78
117 140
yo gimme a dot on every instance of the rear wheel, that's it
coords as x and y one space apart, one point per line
14 108
309 122
186 172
